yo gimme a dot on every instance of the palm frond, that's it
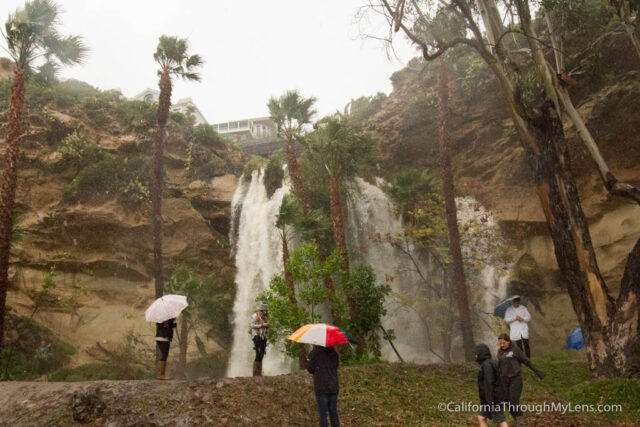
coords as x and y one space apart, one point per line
31 33
172 55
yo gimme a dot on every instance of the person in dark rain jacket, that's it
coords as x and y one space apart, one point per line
489 388
510 357
164 336
323 364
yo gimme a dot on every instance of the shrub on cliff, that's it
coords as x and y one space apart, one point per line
109 178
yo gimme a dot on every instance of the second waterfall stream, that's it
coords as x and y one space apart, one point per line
258 256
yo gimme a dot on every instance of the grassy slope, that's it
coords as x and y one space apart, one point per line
370 395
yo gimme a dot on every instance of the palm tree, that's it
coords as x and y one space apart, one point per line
291 112
289 211
174 60
451 213
32 38
342 150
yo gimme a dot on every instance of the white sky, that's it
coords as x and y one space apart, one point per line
253 49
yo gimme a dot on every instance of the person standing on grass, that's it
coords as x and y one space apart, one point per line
518 317
510 357
164 336
489 388
260 333
323 364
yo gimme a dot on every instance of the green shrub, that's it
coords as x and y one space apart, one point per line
138 115
211 169
109 178
204 134
254 163
55 130
135 193
31 350
79 152
5 63
273 173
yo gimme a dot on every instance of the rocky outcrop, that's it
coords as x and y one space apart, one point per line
98 251
489 165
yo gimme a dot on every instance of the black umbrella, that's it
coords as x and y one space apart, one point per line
501 309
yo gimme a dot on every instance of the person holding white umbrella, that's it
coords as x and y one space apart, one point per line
163 313
164 336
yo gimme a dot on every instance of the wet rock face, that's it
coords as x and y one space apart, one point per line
86 406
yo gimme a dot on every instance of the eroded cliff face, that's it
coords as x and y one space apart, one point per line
98 251
489 165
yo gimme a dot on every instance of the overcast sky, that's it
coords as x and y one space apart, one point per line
253 49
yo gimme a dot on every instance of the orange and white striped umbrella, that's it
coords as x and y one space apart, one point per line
322 334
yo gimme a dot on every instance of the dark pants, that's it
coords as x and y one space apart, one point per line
328 402
260 344
163 350
512 391
524 346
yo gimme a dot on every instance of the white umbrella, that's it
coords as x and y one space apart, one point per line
165 308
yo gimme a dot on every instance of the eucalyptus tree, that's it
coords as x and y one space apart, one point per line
33 41
451 212
291 112
610 325
172 54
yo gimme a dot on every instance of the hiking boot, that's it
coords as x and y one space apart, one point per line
257 369
161 370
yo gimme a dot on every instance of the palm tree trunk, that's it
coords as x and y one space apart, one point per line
164 103
301 192
452 215
338 222
302 356
296 176
9 181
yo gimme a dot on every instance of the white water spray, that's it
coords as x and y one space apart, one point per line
370 222
258 258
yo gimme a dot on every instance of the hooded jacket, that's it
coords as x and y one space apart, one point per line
323 364
489 387
509 361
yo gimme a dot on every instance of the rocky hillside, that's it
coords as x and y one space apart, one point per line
82 265
489 165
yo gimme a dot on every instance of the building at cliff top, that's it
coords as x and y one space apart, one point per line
184 105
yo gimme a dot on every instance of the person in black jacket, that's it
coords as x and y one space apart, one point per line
323 364
489 388
164 336
510 357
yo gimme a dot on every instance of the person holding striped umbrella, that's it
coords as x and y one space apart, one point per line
323 364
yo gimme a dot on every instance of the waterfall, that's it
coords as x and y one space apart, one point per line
371 224
258 256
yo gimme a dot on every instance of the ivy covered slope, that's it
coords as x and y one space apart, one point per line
82 259
489 162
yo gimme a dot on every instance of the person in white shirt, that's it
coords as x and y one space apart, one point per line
518 317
